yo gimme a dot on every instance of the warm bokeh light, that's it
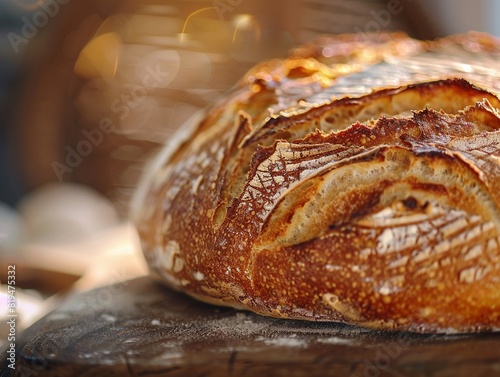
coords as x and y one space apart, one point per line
99 58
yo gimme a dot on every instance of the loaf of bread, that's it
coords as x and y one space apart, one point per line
356 181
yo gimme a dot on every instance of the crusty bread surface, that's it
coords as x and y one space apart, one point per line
356 181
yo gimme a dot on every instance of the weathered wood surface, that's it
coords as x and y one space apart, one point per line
137 328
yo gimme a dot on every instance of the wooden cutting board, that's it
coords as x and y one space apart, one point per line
138 328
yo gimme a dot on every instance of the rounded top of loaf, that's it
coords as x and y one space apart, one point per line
355 181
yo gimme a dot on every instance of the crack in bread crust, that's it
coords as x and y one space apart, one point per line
379 209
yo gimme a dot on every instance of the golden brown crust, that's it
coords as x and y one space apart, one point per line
357 181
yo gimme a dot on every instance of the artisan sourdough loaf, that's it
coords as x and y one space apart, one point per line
356 181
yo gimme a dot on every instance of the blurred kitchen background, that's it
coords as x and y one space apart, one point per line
90 89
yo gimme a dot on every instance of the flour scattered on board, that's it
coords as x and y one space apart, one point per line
337 340
289 341
108 317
